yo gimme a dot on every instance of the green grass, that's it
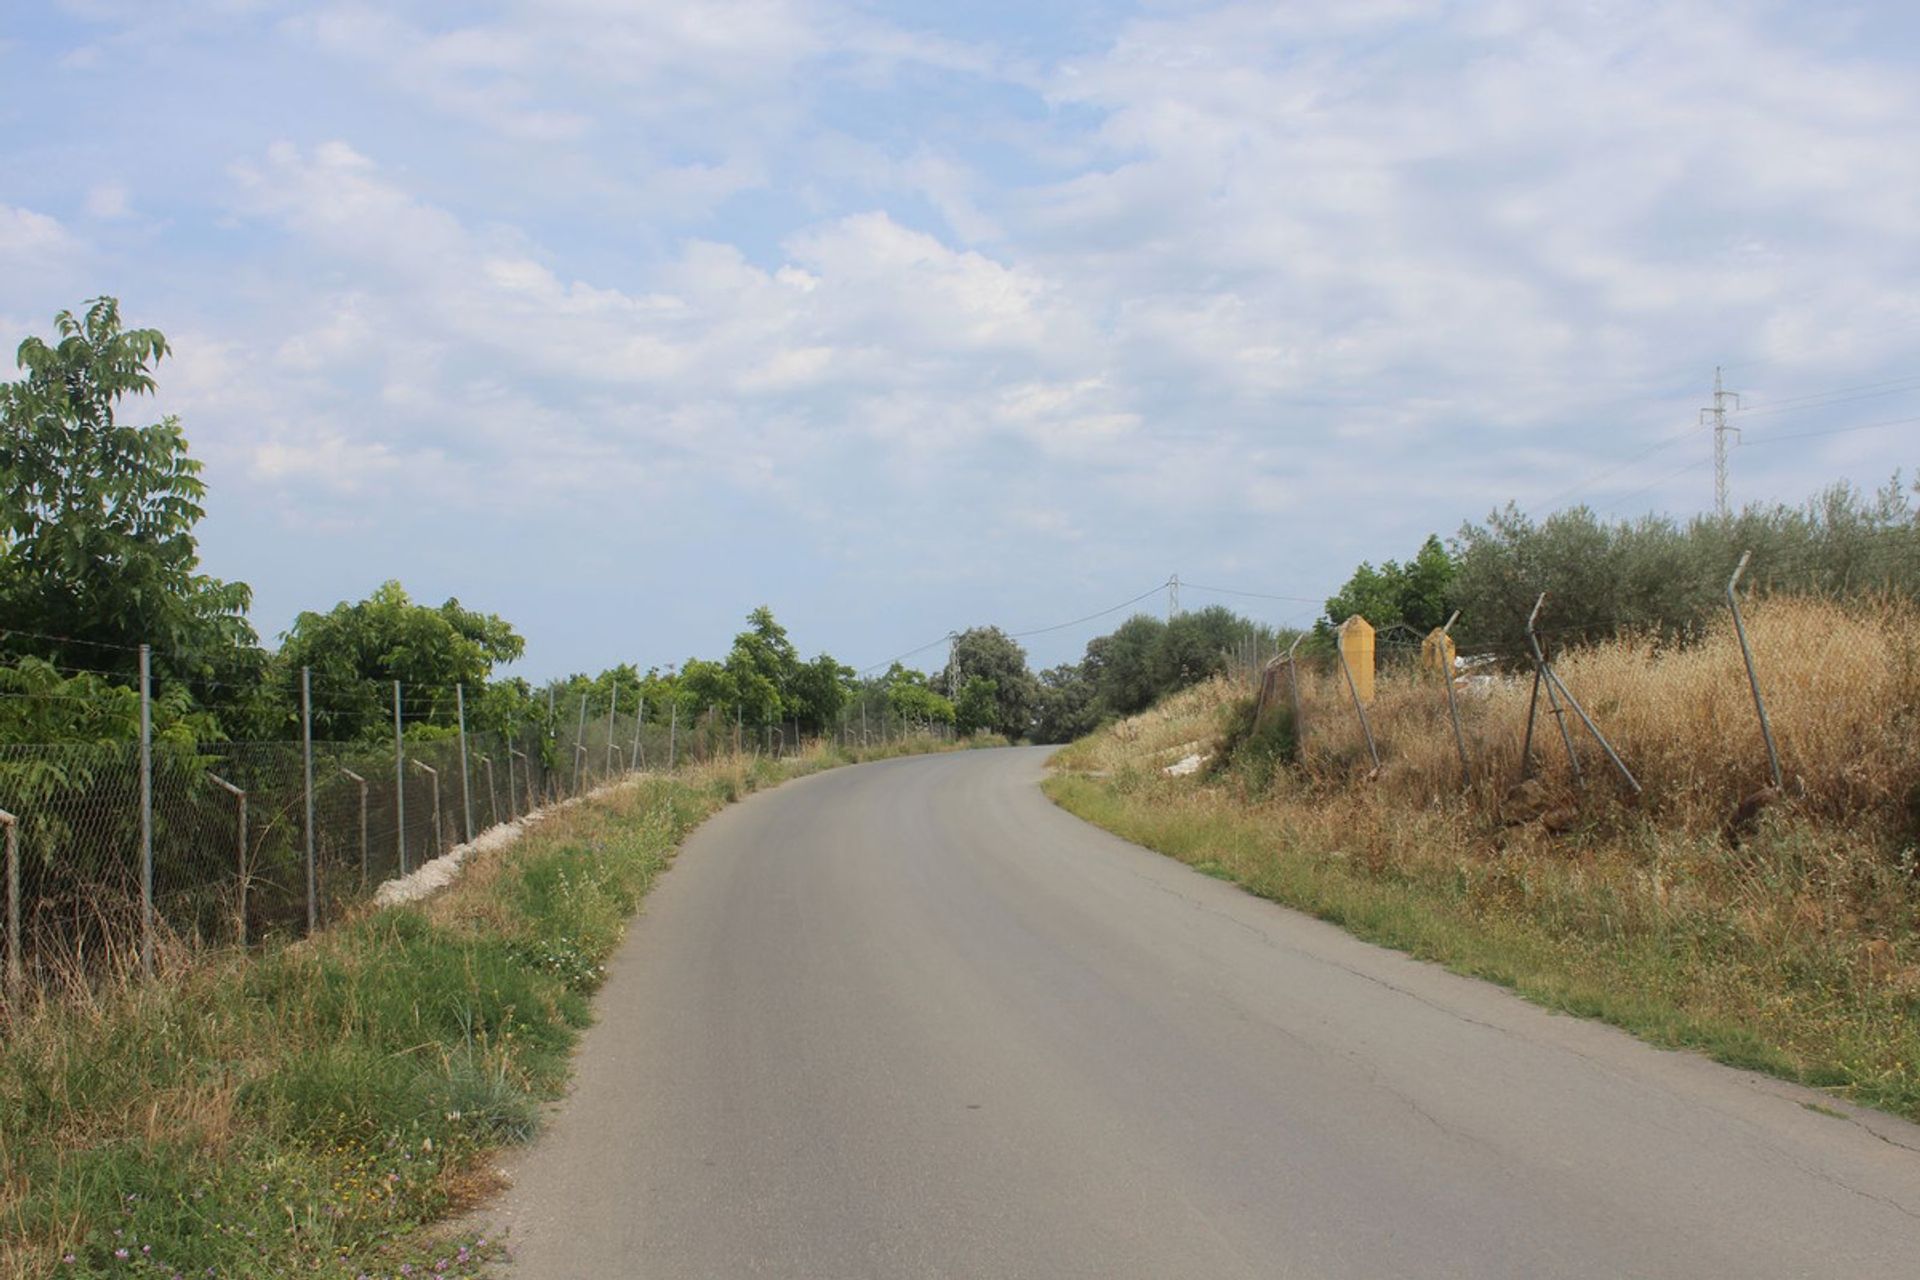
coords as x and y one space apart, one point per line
1562 932
314 1110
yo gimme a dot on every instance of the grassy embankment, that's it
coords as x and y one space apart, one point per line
311 1110
1774 931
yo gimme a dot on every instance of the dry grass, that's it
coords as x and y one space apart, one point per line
1842 686
1791 944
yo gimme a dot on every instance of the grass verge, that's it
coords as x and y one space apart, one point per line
1763 956
312 1111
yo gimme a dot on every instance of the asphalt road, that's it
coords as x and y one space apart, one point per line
908 1019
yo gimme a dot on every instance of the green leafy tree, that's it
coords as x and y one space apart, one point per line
990 654
978 707
914 702
356 651
761 666
817 692
1418 594
1123 664
97 517
1067 706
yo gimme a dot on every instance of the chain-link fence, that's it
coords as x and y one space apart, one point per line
120 857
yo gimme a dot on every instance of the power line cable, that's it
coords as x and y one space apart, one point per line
1252 595
1835 431
1062 626
1837 395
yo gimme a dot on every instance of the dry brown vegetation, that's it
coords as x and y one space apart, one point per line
1775 929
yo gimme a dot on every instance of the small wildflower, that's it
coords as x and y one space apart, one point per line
122 1254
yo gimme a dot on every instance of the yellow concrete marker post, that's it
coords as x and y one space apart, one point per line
1437 653
1356 647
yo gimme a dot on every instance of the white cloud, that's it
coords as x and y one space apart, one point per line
27 237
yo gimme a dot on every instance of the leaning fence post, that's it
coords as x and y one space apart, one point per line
493 795
240 852
673 730
399 782
433 774
639 756
513 800
1293 695
1543 675
1453 703
579 744
1526 743
16 964
146 810
466 780
1555 682
1354 689
306 783
366 860
1753 677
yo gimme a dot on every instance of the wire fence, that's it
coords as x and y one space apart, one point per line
126 856
1793 687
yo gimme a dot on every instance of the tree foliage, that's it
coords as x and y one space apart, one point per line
97 517
1667 577
356 651
988 653
1417 594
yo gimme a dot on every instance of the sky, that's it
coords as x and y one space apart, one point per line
620 318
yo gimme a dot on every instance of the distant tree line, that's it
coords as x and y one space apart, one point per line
1651 574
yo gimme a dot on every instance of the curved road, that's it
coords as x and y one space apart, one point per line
908 1019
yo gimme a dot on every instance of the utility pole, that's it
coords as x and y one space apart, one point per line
1718 414
1173 597
953 638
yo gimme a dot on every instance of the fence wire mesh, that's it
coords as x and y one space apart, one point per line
223 860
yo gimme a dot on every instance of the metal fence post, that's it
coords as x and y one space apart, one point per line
240 853
16 963
306 758
1542 675
146 810
366 859
673 730
512 800
1753 677
466 781
1555 682
579 744
1453 707
493 795
439 839
526 775
613 701
399 782
639 757
1293 696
